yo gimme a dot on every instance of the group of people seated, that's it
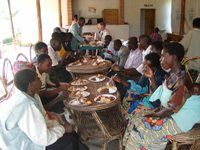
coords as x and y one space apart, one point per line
157 96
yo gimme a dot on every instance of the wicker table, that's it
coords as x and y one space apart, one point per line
88 68
98 120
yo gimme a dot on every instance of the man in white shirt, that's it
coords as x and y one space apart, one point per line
145 46
102 31
25 125
191 44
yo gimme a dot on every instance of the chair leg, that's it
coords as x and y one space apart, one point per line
104 146
120 143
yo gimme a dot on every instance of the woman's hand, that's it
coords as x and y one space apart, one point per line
148 72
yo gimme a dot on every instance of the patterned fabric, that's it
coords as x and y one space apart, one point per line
149 133
20 65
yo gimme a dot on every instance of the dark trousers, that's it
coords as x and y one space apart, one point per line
69 141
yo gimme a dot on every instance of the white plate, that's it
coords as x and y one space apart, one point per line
74 88
79 94
97 78
74 102
80 82
111 90
104 98
81 101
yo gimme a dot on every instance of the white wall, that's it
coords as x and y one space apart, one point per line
163 14
80 7
132 11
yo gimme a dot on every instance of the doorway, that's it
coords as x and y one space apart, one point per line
147 21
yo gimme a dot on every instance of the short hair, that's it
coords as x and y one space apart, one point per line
175 48
118 42
57 29
41 58
23 78
54 40
75 16
156 29
108 37
146 38
82 19
40 45
154 58
102 24
196 23
56 35
158 45
133 40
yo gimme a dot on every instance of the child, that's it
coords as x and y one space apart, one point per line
40 48
49 90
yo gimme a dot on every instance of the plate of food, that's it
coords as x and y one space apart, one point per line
76 63
82 101
97 78
80 82
107 89
105 98
79 94
75 88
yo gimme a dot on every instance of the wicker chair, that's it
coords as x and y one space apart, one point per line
21 57
8 76
192 137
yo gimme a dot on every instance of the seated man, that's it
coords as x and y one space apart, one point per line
24 123
122 53
40 48
49 91
133 61
109 51
58 63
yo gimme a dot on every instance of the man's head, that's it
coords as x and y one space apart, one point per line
117 44
157 47
196 23
132 43
57 29
156 30
107 40
40 48
101 26
75 18
27 81
81 21
144 42
56 44
56 35
44 63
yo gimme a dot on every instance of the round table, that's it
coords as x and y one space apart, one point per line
88 68
99 120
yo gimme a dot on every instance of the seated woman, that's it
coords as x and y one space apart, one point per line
153 77
24 123
152 130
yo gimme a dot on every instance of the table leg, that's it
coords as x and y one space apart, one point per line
101 125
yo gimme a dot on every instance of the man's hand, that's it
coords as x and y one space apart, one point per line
53 116
63 86
68 128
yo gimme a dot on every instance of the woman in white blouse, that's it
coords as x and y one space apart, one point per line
25 125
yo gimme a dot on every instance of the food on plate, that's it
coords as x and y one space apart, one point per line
97 78
82 101
79 94
80 82
76 63
105 98
75 88
106 89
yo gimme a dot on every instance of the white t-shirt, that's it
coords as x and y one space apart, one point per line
54 56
